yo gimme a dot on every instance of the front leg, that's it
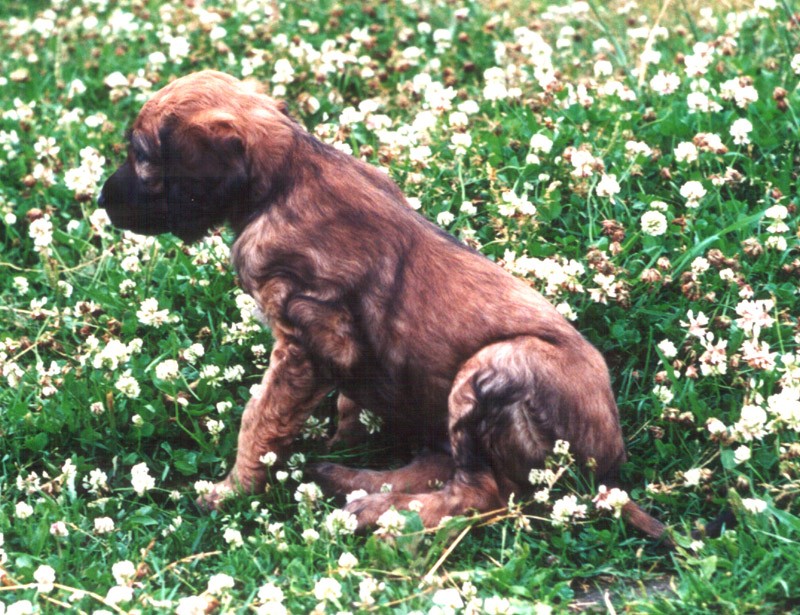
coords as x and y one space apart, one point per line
291 389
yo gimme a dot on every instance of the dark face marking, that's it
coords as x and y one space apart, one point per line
186 186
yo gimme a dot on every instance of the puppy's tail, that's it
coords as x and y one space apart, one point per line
713 529
636 516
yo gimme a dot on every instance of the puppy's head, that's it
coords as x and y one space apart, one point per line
189 167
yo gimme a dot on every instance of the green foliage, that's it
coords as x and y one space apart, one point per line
537 135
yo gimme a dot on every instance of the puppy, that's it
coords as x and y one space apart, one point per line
366 297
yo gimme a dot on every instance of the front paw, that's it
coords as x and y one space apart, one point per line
213 498
332 478
368 509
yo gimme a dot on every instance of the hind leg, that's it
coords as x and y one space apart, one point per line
427 472
498 432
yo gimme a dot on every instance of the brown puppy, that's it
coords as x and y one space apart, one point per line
366 297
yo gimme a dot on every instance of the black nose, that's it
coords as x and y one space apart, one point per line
101 201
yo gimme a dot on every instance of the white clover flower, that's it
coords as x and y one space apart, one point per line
366 590
193 352
23 510
668 349
743 94
268 459
663 394
686 151
123 572
754 506
795 63
470 107
307 493
468 208
45 577
269 592
390 523
664 83
179 48
611 499
692 191
692 477
653 223
715 426
754 316
310 535
700 265
355 495
445 218
149 314
565 509
128 385
103 525
112 355
340 522
420 154
41 231
638 148
371 421
541 477
59 528
65 289
214 426
742 454
458 119
414 202
210 372
740 131
603 68
20 607
696 324
168 370
21 285
494 605
141 479
327 589
583 163
347 561
119 593
157 59
193 605
561 447
233 537
233 373
460 142
752 423
607 186
203 487
776 243
116 80
699 102
786 407
219 583
448 598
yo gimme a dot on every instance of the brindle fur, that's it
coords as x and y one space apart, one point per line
366 297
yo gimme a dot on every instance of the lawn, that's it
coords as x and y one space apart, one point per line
637 166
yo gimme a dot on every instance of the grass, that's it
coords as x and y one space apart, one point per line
710 410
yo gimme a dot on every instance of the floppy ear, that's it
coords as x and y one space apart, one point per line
205 171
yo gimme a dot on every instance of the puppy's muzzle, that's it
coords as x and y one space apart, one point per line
125 200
